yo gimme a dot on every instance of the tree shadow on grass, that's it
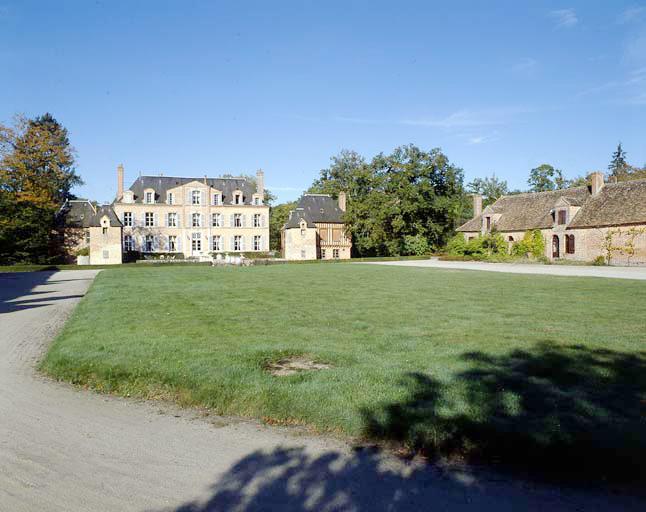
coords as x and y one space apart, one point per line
559 411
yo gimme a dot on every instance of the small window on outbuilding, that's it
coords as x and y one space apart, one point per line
511 239
562 216
569 244
488 223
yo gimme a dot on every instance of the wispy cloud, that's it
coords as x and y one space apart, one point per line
526 67
629 90
466 118
482 139
631 15
564 18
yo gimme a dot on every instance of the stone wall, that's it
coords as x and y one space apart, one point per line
300 244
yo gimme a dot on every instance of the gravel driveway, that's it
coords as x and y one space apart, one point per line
522 268
62 449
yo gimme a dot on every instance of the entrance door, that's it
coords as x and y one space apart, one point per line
555 246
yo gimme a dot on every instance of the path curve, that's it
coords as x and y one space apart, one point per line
65 449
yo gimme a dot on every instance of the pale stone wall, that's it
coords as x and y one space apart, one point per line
184 230
105 248
300 243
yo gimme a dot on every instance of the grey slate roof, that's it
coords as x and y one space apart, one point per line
160 184
82 214
316 208
615 204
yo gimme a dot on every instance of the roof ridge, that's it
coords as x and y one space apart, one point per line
194 177
545 192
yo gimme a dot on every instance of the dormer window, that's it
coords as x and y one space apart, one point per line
127 196
149 197
562 217
237 198
196 197
256 201
488 221
170 198
217 199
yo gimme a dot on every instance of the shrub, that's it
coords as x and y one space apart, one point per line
457 245
491 246
532 244
85 251
599 261
416 245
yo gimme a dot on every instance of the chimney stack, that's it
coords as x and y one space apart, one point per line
597 183
477 205
119 181
260 183
342 201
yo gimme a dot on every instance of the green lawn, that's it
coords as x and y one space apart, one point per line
538 371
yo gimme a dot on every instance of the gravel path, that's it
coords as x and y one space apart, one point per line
520 268
65 449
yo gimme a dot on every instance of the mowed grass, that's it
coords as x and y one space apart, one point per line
544 372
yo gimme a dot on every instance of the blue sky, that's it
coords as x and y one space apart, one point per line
194 88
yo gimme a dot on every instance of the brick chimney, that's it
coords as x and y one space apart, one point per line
119 181
596 179
342 201
477 205
260 183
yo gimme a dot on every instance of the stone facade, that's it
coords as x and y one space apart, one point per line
580 224
316 230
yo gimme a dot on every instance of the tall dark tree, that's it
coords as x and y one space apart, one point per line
278 216
619 167
546 177
36 176
490 188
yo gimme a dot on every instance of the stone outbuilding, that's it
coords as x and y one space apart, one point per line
582 223
316 229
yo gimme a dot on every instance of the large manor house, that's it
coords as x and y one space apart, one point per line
177 217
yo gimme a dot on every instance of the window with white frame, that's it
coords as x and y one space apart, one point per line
217 199
127 218
322 254
171 198
237 243
256 220
196 242
128 243
257 243
256 201
196 197
216 220
196 220
237 220
149 242
149 219
172 243
216 243
171 220
335 254
237 198
150 197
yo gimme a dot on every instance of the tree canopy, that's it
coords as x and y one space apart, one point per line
490 188
546 177
409 201
36 176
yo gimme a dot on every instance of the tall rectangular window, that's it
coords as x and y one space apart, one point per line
172 220
148 245
172 243
150 197
257 246
488 223
256 220
171 198
196 197
196 220
149 219
237 220
196 242
216 243
335 254
216 220
128 243
127 218
237 243
216 199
